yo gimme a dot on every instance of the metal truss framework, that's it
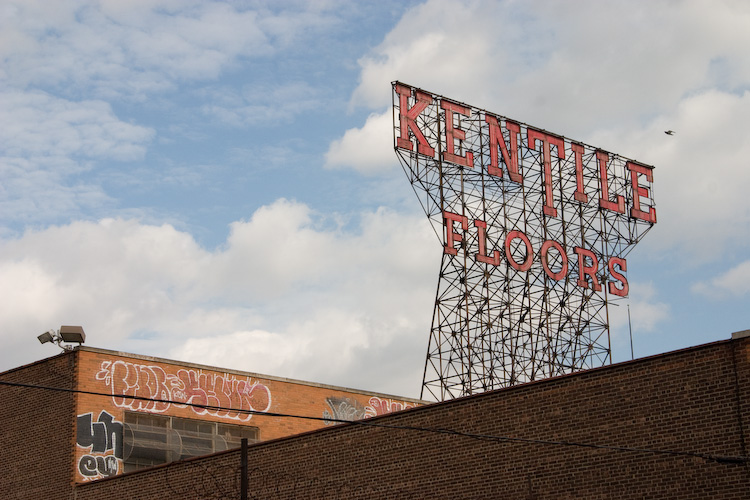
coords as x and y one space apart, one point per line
494 325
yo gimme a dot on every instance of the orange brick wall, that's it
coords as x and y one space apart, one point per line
112 373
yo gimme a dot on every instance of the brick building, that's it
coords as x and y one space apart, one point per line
118 413
668 426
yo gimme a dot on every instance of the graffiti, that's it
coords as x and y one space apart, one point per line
103 441
102 466
379 406
206 393
349 409
343 409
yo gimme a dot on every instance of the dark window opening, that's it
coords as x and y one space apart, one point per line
150 440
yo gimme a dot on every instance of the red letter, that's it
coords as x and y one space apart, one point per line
578 156
617 261
619 204
452 133
452 237
482 255
638 192
526 264
545 263
509 157
584 270
547 140
408 117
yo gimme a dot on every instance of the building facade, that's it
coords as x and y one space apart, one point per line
670 426
89 414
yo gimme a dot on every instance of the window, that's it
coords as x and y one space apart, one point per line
150 440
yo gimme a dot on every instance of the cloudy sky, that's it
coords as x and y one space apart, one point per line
215 181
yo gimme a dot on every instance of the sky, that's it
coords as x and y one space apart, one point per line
215 182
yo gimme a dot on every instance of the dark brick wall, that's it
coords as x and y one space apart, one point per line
36 431
695 401
39 458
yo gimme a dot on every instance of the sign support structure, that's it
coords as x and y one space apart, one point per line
535 228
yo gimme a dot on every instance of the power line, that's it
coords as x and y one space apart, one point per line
482 437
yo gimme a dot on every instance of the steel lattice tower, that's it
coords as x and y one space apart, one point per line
495 325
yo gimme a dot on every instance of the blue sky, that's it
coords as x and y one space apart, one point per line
215 181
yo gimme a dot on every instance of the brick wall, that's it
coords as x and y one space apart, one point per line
695 401
44 450
109 373
36 431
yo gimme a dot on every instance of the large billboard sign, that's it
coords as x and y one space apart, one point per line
535 228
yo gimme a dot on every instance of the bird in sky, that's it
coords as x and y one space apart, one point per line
669 132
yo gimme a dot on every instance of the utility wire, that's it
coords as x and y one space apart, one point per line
483 437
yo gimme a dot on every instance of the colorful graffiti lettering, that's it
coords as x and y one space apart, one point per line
350 409
218 395
379 406
343 409
103 441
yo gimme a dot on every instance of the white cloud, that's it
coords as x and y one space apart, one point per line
38 124
116 48
328 346
46 142
613 75
700 176
276 247
442 46
75 74
33 191
290 292
560 66
130 49
263 105
643 320
287 294
368 149
733 283
646 310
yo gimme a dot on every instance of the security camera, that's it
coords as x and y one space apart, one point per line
67 334
48 336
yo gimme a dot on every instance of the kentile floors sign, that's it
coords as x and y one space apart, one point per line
535 229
